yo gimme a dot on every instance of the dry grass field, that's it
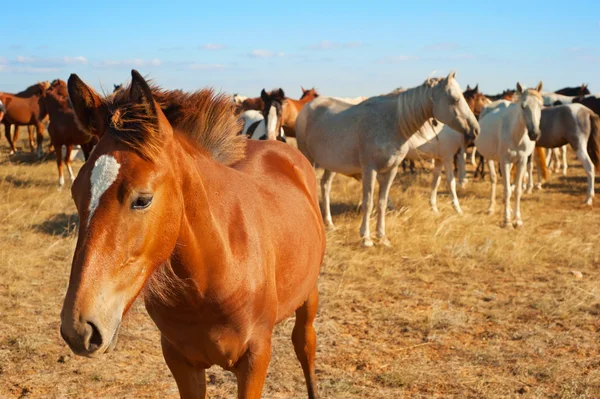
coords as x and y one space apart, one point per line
458 308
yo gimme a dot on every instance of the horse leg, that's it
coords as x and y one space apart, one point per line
11 143
473 155
326 181
506 166
530 173
368 183
435 183
563 151
39 127
462 169
538 164
588 166
385 183
520 172
59 164
31 141
304 339
452 185
494 179
67 161
251 370
191 381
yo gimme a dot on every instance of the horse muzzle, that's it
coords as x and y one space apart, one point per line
88 338
534 134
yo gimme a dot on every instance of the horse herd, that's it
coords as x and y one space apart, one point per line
163 209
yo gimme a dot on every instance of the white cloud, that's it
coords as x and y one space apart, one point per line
329 45
212 46
265 54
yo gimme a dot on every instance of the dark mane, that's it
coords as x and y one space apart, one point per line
209 119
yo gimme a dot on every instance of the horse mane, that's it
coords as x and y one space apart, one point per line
207 118
411 107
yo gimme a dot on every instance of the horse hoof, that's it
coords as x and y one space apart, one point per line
588 202
434 209
529 191
366 243
385 242
518 223
490 211
507 224
329 226
459 211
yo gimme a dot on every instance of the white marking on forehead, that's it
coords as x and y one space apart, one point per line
104 174
272 121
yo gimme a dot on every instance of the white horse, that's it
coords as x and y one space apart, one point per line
351 100
508 135
439 142
255 127
370 139
578 126
551 99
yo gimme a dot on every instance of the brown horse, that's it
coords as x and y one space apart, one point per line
63 129
505 95
475 100
592 102
25 109
163 207
255 103
280 111
574 91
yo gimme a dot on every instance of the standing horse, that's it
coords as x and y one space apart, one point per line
163 209
574 91
578 126
370 139
508 135
63 130
25 109
281 112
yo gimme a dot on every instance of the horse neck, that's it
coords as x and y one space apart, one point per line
518 126
200 177
414 108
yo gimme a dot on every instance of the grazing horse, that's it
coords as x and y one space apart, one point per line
370 139
578 126
281 112
25 109
163 209
576 91
508 135
63 130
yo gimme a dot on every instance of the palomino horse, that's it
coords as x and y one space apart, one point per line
63 129
281 112
370 139
508 135
163 209
578 126
25 109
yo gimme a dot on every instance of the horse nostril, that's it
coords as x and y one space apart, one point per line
95 338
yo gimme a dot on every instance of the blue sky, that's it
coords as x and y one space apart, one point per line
342 48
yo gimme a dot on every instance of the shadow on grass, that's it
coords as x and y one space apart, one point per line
61 224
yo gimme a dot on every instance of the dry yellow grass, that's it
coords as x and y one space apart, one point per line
458 308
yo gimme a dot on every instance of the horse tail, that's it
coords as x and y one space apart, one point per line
593 145
541 155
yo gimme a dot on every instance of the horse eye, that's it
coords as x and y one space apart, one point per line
141 202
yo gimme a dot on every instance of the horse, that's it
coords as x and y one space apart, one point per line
164 212
63 130
249 104
59 87
255 128
370 139
25 109
2 110
476 101
237 99
281 112
505 95
351 100
441 143
508 135
590 101
577 125
575 91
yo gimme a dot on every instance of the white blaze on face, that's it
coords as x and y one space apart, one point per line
104 174
272 123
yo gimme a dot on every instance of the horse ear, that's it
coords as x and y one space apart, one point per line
263 95
281 93
468 88
476 89
141 93
302 88
451 75
519 88
539 86
90 111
